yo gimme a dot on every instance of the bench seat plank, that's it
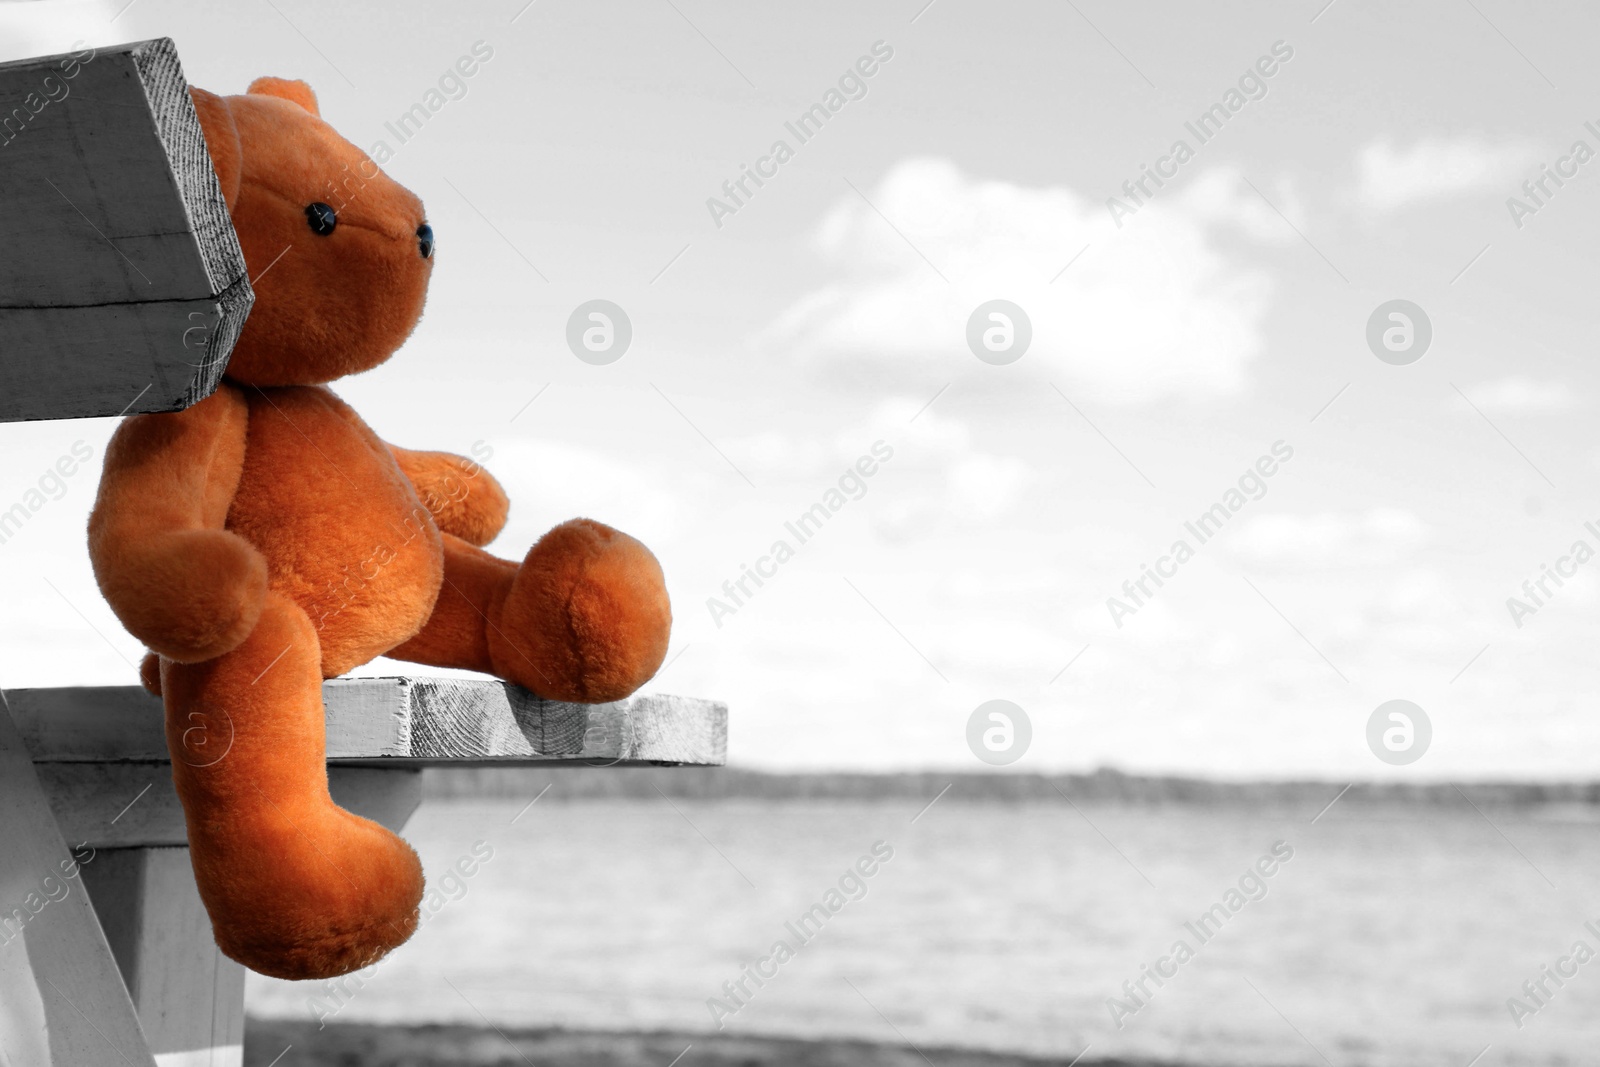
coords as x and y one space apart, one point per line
413 722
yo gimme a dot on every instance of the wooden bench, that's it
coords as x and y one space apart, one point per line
122 290
118 957
122 287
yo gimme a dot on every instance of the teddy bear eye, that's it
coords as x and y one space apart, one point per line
322 219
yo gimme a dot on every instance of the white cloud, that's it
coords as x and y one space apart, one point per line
972 494
1390 178
551 481
934 441
986 487
1154 309
1221 197
1518 395
1328 541
942 477
946 480
778 454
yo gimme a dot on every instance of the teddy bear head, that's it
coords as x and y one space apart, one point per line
339 253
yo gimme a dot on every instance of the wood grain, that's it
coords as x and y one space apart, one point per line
123 287
189 996
62 1001
410 722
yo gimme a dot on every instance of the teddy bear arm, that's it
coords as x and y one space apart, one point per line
174 576
463 498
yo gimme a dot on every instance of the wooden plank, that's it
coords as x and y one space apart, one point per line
123 288
62 1000
134 805
420 721
189 996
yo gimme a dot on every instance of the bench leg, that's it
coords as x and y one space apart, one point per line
189 997
61 1000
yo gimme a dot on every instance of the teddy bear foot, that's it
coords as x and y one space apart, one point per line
586 618
357 913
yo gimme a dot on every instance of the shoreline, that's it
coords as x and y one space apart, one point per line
302 1044
1104 785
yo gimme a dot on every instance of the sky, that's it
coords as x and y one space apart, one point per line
1180 335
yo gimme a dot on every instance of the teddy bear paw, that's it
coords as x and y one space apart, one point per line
192 595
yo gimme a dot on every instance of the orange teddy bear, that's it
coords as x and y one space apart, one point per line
225 537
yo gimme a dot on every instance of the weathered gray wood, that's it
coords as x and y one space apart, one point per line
189 996
62 1001
122 286
134 805
414 721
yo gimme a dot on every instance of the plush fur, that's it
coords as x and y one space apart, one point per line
266 539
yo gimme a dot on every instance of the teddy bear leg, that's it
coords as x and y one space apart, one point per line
296 886
585 618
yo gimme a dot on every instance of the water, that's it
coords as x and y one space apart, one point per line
1392 936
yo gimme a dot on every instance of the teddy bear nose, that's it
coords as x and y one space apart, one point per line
425 240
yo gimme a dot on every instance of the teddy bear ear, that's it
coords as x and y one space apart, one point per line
222 141
296 92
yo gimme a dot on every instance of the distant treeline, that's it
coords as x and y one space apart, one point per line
719 783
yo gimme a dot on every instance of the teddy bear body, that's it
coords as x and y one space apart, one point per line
375 574
265 539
